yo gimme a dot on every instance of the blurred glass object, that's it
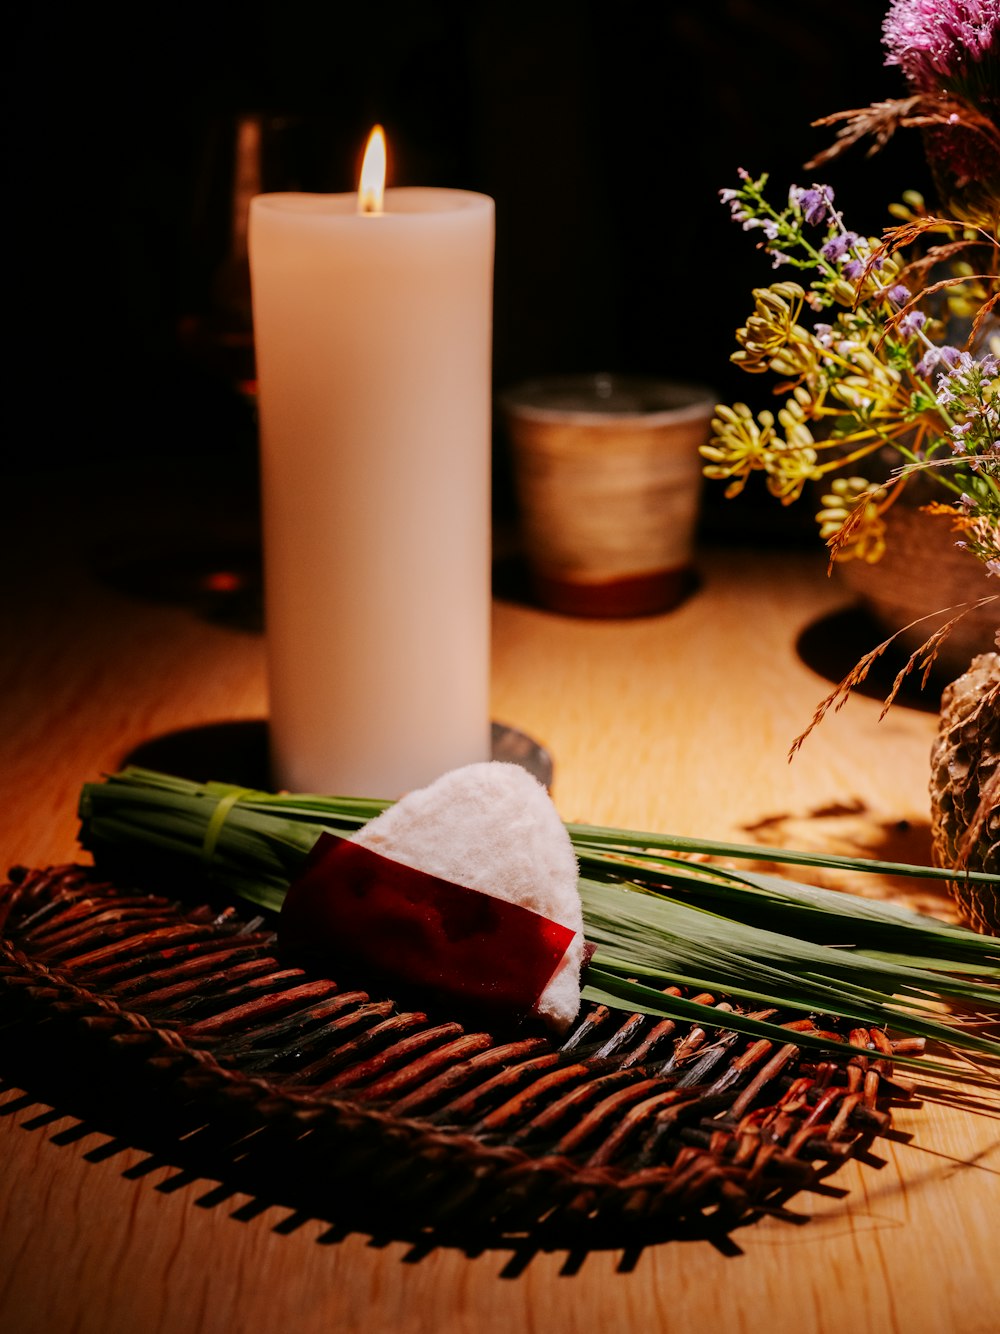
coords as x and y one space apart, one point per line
251 153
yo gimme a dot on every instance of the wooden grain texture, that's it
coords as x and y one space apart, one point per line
677 722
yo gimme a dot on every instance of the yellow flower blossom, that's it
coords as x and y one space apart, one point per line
771 327
791 462
851 520
738 446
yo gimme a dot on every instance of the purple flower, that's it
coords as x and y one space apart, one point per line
934 356
854 268
957 364
899 294
814 203
958 434
838 246
911 322
931 40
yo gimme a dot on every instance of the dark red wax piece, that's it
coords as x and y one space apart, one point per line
354 905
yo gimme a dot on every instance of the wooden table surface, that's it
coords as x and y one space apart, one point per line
678 722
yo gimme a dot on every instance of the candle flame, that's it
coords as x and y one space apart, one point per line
371 191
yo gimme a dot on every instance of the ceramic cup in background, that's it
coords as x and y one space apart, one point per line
608 480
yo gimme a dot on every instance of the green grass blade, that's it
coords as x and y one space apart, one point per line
599 838
605 987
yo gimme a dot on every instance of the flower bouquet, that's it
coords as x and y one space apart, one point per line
886 348
886 351
873 374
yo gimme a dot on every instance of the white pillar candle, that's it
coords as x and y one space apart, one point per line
373 341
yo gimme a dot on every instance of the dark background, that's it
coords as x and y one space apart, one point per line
602 131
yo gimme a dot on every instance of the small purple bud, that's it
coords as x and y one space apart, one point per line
813 205
912 321
838 246
933 357
928 361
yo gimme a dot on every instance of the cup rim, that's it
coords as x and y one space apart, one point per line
693 401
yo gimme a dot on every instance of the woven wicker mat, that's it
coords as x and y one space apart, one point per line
219 1057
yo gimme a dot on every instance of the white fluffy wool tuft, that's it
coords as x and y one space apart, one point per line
493 827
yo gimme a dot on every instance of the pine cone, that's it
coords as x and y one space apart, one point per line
965 788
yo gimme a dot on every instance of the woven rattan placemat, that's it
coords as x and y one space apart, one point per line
346 1104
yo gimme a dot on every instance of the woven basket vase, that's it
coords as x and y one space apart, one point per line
922 573
965 788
